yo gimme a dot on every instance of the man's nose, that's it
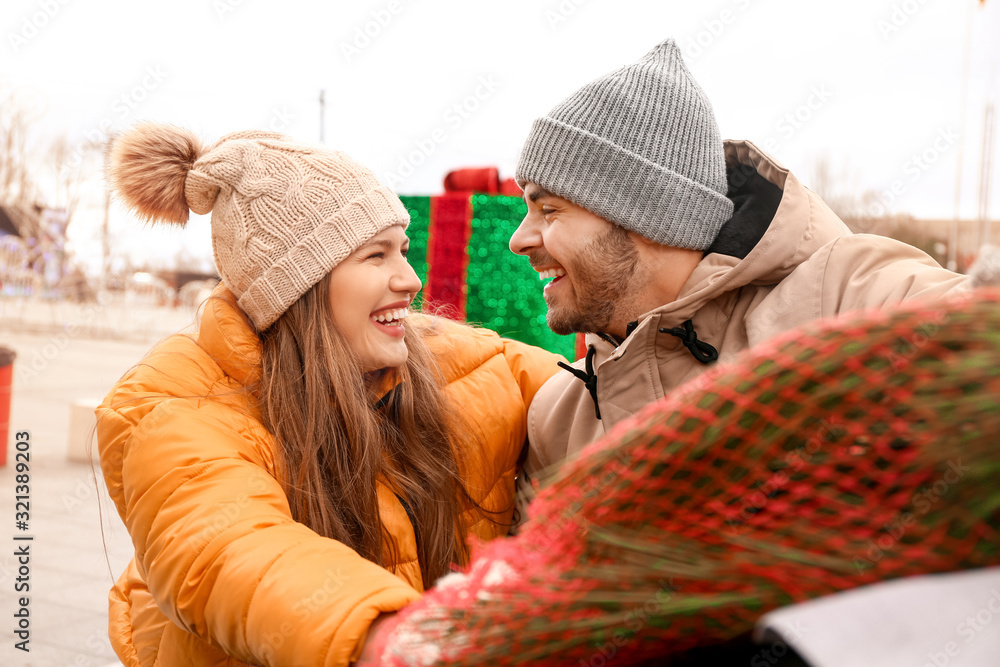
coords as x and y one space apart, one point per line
526 237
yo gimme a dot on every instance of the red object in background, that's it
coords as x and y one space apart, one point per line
6 380
447 253
510 187
447 256
480 179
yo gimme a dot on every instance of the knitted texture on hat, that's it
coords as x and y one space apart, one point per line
283 214
639 147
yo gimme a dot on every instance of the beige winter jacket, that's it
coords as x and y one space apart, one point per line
807 265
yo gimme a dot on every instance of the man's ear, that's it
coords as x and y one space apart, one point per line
639 238
648 250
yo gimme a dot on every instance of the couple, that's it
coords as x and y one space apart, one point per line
316 455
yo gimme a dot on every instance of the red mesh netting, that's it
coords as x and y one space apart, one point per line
838 455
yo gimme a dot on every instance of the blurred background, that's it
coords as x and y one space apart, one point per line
887 108
884 107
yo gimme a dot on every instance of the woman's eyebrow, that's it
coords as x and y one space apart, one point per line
385 244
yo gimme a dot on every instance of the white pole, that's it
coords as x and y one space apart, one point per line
105 245
322 115
986 177
953 229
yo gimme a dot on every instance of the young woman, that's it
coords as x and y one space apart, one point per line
315 455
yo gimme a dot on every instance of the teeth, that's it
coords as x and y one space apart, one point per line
551 273
392 315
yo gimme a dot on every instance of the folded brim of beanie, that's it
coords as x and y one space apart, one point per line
621 186
315 255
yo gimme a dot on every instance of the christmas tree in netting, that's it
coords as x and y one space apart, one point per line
845 453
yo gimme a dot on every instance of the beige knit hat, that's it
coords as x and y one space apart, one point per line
283 214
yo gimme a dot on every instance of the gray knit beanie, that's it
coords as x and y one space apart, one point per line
639 147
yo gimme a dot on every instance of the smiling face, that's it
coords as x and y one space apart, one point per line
370 292
594 265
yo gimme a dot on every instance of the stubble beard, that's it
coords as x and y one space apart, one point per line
603 273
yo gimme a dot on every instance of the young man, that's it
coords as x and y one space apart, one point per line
674 251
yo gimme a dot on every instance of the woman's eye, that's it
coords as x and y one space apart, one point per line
376 255
405 251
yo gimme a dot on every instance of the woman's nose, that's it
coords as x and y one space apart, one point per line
406 279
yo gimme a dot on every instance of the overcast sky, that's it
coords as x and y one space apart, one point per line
415 88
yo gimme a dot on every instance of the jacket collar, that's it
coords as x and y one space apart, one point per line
226 335
801 225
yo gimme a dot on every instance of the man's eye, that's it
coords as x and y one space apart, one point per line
547 210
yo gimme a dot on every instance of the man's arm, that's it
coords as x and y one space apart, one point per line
868 271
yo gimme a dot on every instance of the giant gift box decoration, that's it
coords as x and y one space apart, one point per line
458 247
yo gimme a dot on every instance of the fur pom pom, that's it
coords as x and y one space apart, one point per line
148 165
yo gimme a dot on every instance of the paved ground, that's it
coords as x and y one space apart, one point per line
79 544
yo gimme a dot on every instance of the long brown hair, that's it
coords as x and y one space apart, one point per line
336 443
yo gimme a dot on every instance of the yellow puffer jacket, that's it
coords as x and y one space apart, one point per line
220 566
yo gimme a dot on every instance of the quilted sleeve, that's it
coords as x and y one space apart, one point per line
221 554
532 366
866 271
